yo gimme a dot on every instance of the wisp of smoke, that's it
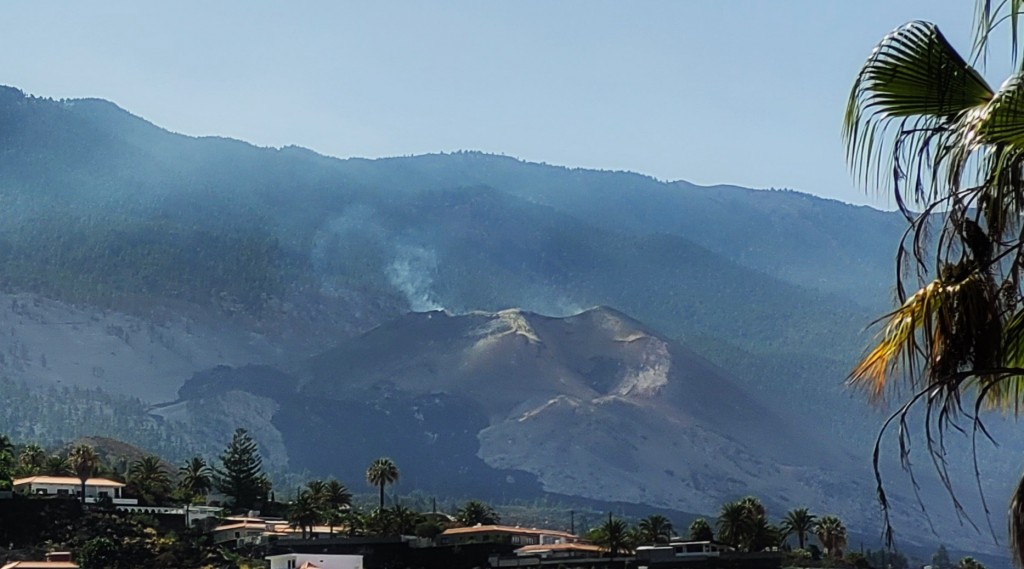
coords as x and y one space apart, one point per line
412 273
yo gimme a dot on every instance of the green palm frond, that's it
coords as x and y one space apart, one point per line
987 19
914 77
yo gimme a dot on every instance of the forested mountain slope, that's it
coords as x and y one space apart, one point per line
135 259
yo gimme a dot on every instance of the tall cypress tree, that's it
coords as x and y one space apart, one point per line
240 476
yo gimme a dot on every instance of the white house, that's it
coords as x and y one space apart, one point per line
315 561
96 489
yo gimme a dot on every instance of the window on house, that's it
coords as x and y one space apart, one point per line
238 534
41 491
62 492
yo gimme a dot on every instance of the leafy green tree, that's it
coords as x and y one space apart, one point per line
381 473
6 453
7 460
969 563
923 124
98 553
858 560
700 530
84 462
240 476
831 532
195 478
475 512
149 480
798 522
431 529
655 529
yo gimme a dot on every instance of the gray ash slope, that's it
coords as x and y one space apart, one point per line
497 405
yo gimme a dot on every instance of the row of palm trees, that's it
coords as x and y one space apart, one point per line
742 524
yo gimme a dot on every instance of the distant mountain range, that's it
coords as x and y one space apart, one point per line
340 307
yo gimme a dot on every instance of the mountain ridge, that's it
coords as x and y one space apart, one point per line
301 253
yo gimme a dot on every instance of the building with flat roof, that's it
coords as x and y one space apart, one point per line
96 489
513 535
315 561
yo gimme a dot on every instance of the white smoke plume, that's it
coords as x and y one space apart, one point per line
412 273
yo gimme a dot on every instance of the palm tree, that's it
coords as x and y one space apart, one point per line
57 465
317 489
149 479
832 534
84 462
337 495
733 523
925 125
655 529
336 499
798 522
700 530
744 525
195 477
612 535
31 458
381 473
304 512
475 512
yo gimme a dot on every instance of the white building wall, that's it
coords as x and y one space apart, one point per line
92 493
295 560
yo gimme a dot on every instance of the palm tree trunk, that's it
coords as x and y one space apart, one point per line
83 490
801 538
382 496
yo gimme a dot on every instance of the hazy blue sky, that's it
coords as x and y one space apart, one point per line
715 91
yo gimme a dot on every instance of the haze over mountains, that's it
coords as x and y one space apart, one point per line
440 308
